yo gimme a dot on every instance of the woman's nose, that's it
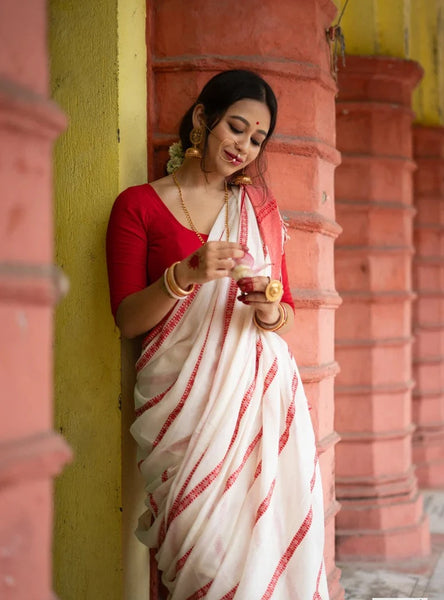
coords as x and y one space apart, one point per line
240 144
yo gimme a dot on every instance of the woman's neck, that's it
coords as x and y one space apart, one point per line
190 174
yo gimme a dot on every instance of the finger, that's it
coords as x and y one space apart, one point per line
253 284
226 246
226 264
228 253
220 273
254 298
246 285
258 280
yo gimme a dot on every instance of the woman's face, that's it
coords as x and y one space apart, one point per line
236 140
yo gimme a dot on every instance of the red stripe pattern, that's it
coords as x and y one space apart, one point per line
181 562
177 501
174 414
166 329
232 478
288 421
153 504
230 595
152 402
201 593
317 595
285 559
265 503
198 489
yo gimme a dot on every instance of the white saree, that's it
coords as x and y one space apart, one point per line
227 449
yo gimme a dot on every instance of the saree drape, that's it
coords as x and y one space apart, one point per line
226 446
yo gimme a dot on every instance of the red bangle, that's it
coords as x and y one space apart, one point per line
283 317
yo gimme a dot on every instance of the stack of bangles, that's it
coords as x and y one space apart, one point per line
273 326
172 288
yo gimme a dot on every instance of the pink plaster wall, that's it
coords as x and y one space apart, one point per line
187 48
428 313
381 515
31 454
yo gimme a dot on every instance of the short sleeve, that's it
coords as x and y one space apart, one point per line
126 247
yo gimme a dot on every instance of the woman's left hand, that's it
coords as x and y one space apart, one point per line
253 294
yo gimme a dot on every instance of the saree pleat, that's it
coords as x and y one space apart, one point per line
227 449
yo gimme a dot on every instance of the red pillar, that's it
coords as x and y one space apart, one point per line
382 515
31 454
428 313
188 47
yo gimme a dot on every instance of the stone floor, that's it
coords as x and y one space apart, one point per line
420 579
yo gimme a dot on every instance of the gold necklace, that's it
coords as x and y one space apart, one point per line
188 216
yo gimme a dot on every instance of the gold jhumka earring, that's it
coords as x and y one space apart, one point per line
196 136
242 179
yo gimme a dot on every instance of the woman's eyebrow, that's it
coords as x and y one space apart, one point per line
247 123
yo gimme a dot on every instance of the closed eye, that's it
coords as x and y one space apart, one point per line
234 129
239 131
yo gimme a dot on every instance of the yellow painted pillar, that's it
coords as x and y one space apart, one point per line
98 76
132 83
426 45
412 29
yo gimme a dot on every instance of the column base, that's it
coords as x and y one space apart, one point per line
375 529
428 456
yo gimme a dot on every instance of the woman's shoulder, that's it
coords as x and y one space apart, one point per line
134 207
262 198
140 199
136 194
149 196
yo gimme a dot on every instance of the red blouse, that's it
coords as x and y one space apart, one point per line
143 239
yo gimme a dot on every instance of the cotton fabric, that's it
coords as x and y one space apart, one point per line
226 445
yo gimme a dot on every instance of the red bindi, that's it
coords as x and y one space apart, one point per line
257 122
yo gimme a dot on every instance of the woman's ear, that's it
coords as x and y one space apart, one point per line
199 116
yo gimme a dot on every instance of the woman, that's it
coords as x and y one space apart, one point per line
225 440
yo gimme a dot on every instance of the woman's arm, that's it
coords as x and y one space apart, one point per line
139 312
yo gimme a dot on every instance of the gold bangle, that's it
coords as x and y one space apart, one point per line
274 290
173 287
283 317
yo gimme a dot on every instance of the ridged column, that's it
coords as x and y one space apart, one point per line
382 514
428 311
188 47
31 453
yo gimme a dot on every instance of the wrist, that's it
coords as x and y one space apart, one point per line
182 275
269 317
171 285
278 324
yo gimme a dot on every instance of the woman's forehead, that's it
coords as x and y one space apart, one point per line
255 112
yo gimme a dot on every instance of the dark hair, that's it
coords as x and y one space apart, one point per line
223 90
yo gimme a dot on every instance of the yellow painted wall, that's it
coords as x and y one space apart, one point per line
412 29
132 76
96 49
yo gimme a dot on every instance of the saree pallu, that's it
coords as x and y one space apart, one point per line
227 449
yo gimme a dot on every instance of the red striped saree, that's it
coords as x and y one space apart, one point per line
226 446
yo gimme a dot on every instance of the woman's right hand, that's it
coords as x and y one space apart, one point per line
214 260
141 311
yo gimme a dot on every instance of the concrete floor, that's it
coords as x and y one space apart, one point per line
421 579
